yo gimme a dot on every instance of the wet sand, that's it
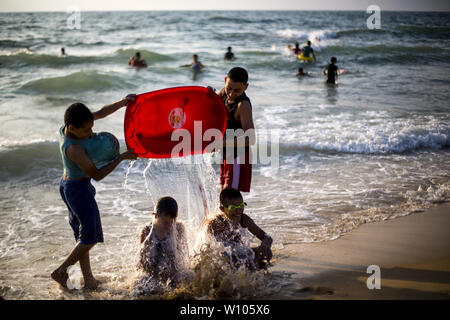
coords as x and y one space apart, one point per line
413 254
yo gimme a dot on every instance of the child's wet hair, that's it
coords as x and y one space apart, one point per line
167 207
227 194
238 74
77 114
333 59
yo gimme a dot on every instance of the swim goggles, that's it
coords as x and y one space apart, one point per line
233 207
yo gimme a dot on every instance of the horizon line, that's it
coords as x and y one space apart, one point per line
191 10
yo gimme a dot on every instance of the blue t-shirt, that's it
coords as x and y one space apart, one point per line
307 51
71 170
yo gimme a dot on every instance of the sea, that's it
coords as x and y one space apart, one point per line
373 147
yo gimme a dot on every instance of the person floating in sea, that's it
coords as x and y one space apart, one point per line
164 247
136 61
331 71
307 53
77 192
301 73
229 55
226 228
63 51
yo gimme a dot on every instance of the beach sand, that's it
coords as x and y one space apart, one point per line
413 253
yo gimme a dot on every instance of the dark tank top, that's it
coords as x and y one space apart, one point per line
231 122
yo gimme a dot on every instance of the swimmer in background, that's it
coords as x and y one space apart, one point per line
229 55
136 61
301 73
308 52
297 49
331 71
196 65
63 52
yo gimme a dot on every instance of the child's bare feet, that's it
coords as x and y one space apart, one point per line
61 277
91 284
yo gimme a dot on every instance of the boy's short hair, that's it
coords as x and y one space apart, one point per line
238 74
77 114
333 59
167 207
309 43
228 194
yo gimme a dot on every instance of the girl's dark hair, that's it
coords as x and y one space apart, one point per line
238 74
227 194
77 114
167 207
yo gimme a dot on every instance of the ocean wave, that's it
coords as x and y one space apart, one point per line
26 58
376 143
384 49
75 82
384 53
258 53
312 35
6 43
229 19
400 31
435 32
236 36
149 56
30 160
363 31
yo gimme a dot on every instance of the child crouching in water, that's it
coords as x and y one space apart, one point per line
163 250
226 228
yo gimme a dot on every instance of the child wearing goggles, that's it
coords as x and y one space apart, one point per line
225 226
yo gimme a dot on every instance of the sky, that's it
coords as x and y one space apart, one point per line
102 5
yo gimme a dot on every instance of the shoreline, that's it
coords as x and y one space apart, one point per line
412 252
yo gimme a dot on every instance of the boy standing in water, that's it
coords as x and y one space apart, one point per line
196 65
225 226
308 52
229 55
76 189
163 244
236 167
297 49
331 71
